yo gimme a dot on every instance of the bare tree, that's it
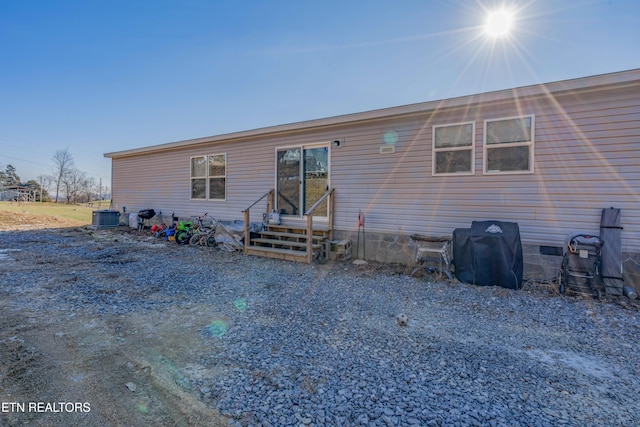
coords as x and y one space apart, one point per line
88 188
74 182
64 164
45 182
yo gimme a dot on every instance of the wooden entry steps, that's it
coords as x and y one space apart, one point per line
290 241
287 243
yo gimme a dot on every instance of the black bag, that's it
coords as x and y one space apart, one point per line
611 234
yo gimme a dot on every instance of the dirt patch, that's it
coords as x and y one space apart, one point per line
63 365
115 370
10 221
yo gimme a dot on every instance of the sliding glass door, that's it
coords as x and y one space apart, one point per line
302 179
316 179
288 181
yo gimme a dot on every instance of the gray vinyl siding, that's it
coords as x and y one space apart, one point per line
587 157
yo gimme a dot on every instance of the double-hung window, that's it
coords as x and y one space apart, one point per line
508 145
453 149
208 177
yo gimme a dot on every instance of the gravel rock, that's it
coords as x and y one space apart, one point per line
319 344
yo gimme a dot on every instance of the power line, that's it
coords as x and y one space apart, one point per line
43 164
28 161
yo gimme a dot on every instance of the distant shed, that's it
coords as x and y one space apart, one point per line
17 193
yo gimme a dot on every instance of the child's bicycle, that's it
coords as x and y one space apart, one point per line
203 231
159 230
183 232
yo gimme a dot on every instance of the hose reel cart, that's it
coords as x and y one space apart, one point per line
580 269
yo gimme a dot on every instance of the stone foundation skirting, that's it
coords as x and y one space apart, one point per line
401 249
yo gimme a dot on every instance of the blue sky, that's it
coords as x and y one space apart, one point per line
98 76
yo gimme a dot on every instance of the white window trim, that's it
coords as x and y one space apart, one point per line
191 177
472 147
207 177
530 144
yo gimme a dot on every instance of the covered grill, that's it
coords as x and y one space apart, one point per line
145 215
489 253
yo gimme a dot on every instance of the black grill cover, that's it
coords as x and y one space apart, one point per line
462 255
497 254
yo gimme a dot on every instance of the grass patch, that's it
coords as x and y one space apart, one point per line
59 210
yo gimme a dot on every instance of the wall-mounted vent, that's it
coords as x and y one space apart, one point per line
387 149
551 250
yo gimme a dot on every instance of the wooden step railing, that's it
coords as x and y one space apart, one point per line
309 215
247 216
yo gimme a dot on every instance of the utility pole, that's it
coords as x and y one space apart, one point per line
100 191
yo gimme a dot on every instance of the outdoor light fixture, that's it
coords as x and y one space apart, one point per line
337 143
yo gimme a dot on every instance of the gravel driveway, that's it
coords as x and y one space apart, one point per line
151 333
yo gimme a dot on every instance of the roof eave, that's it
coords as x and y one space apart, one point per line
542 89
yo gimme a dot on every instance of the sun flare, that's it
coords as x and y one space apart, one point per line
499 23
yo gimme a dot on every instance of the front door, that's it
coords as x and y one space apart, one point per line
302 178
